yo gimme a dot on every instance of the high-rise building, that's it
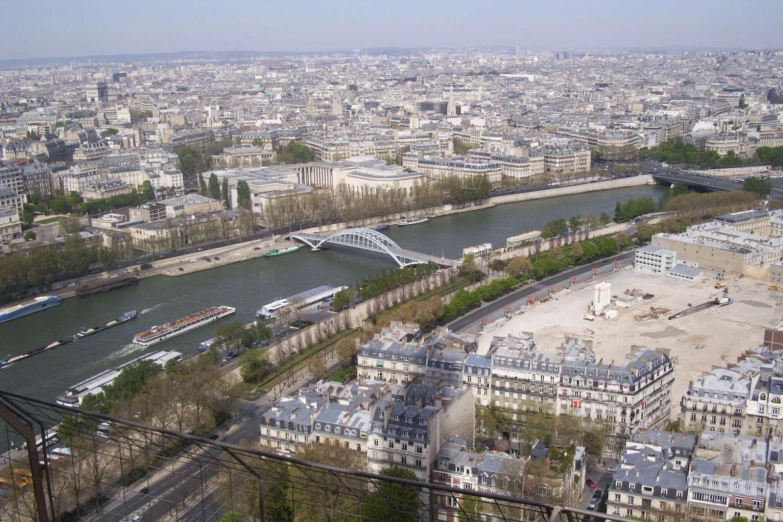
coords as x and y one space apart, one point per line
103 92
337 104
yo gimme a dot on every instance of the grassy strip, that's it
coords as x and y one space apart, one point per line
301 359
48 220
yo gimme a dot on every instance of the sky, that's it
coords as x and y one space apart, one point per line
65 28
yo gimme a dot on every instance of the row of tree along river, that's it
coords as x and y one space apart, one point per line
247 286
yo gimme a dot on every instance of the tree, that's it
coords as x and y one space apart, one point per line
346 350
575 223
30 236
229 335
70 225
317 367
202 186
243 195
519 266
391 501
576 251
605 218
112 131
758 186
28 216
255 366
214 187
147 191
32 136
343 299
470 509
108 258
555 228
225 194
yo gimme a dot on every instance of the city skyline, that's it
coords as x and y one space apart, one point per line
89 29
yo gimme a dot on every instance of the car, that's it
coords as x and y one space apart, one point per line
214 436
589 483
611 469
144 490
257 248
593 503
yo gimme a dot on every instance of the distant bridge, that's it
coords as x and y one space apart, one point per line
708 183
374 241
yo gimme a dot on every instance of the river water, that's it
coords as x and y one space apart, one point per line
248 286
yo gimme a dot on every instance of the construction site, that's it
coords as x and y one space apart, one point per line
704 323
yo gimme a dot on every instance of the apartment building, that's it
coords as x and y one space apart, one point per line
409 426
636 393
437 168
560 160
288 425
10 199
395 355
523 378
456 466
651 481
728 478
197 140
716 402
10 227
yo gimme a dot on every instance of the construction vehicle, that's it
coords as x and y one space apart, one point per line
720 284
775 288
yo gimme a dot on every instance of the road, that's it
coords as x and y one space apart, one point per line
167 495
475 316
178 495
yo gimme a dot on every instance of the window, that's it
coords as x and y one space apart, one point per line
630 499
375 442
418 463
738 502
419 449
617 497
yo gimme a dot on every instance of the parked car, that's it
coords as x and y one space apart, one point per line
611 469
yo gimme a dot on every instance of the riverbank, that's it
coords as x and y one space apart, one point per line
247 250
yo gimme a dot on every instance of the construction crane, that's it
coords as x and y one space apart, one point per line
718 301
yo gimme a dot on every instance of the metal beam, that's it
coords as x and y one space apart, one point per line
26 431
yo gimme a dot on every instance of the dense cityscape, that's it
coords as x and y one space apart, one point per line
485 284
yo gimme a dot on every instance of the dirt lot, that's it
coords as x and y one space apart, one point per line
697 342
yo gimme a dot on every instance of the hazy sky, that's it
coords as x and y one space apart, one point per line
48 28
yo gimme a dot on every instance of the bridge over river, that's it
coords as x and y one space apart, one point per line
706 183
374 241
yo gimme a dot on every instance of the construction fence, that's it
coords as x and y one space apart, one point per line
545 292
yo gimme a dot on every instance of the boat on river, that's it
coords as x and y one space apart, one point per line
127 316
409 222
158 334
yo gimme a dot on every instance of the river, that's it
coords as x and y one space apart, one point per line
247 286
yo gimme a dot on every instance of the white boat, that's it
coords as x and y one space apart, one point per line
160 333
408 222
304 299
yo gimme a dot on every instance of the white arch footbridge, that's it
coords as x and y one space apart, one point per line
374 241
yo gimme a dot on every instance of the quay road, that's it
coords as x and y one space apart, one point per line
167 494
171 497
475 316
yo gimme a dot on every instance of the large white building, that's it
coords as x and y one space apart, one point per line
654 259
